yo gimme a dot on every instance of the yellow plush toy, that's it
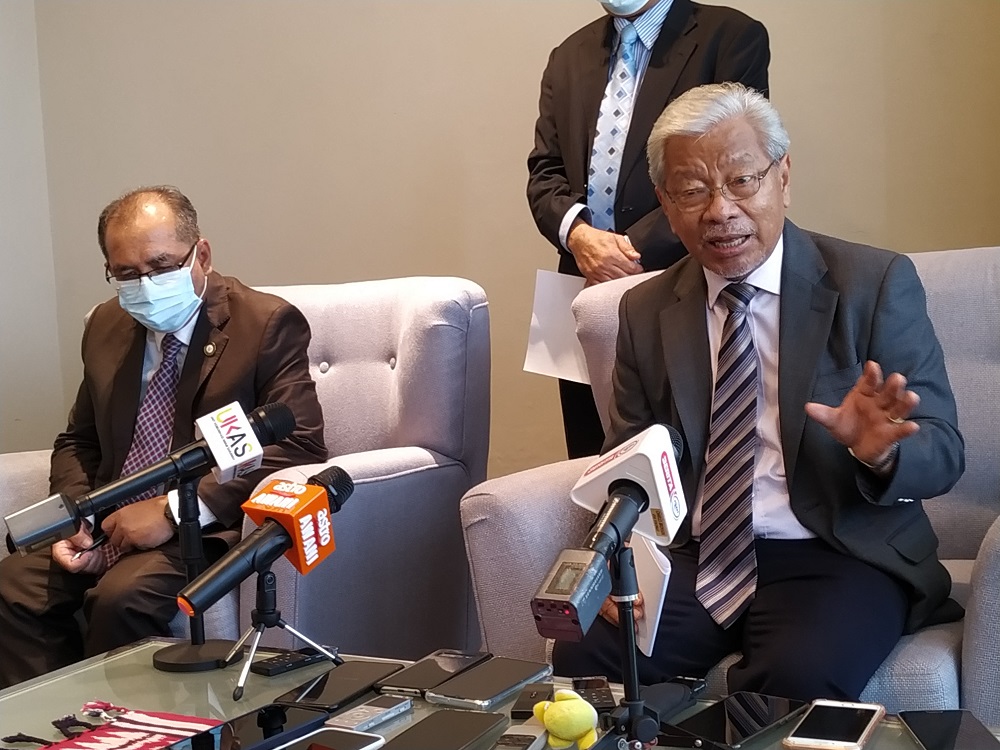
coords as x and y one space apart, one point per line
568 719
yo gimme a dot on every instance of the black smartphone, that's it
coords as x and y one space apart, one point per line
741 717
430 671
949 730
488 684
535 692
448 729
330 738
265 728
338 687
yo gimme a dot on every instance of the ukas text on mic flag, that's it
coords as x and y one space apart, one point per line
232 441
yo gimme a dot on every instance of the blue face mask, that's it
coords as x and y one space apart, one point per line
623 7
164 302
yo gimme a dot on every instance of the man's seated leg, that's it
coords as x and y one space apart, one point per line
688 641
38 630
820 624
135 599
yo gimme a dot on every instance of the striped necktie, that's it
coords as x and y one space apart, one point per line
727 563
154 426
612 131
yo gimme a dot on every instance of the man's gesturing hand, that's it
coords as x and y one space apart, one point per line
872 418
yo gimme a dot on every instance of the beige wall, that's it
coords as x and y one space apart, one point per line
333 140
31 403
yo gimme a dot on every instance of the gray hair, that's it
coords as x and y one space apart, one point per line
185 217
697 111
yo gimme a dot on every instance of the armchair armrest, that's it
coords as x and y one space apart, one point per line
981 639
397 584
25 479
515 527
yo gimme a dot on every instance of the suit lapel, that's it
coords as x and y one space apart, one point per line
668 57
684 332
207 344
807 309
593 59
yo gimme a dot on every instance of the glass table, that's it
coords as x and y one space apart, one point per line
126 677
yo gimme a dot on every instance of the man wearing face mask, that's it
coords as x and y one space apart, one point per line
588 188
179 341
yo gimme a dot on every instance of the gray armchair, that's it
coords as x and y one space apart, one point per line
403 371
515 526
402 368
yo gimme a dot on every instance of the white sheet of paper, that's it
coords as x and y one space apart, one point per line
652 569
553 348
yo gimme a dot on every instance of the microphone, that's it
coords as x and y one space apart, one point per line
226 445
636 487
293 520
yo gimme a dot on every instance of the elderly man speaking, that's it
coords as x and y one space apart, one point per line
805 462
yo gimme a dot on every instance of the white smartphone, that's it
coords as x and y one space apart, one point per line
835 725
371 714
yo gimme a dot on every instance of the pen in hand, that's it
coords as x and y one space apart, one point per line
98 541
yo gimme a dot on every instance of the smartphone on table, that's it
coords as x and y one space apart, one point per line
487 684
339 686
835 725
372 713
740 717
430 672
449 729
329 738
949 730
267 727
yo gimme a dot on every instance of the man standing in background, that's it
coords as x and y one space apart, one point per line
588 186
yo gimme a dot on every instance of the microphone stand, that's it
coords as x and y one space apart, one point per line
267 615
632 719
199 655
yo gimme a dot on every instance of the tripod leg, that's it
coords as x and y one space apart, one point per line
258 631
331 655
239 646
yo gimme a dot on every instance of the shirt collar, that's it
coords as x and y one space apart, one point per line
767 276
647 25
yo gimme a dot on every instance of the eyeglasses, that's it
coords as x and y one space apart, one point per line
737 189
153 276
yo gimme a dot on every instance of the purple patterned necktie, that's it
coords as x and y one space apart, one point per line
154 426
727 562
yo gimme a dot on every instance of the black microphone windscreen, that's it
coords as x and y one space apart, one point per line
677 441
337 483
272 422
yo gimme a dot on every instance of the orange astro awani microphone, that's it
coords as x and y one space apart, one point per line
302 510
293 519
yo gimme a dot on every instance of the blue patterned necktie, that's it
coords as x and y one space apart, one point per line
727 563
612 131
154 425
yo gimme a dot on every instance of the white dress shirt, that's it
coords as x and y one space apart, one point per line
772 511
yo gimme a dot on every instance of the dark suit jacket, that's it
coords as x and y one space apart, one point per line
841 305
697 44
259 357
